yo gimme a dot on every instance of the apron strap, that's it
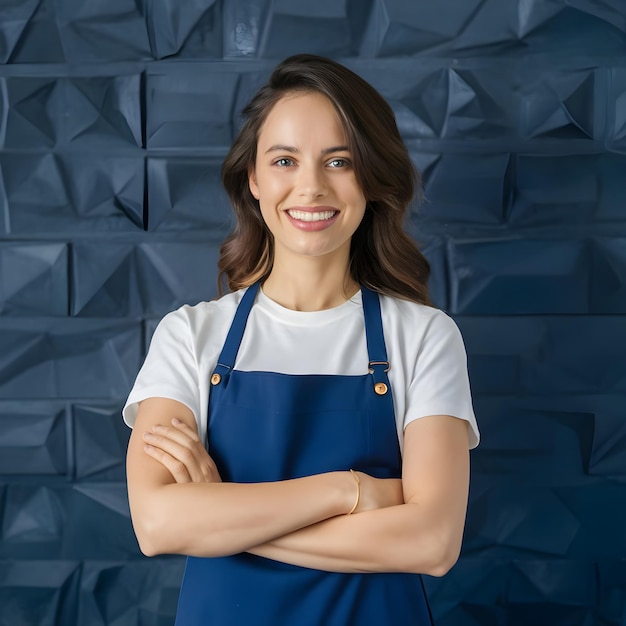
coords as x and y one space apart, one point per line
226 360
376 350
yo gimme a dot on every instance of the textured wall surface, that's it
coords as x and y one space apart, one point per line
114 118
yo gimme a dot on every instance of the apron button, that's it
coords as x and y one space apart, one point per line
216 379
380 389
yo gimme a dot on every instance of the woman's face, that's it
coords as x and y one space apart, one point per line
304 180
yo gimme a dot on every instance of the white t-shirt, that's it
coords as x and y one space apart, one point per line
428 372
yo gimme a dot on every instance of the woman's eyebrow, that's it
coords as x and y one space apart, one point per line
282 148
336 149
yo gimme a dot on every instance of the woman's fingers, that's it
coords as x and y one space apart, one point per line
180 433
187 430
182 445
176 467
177 458
178 447
207 462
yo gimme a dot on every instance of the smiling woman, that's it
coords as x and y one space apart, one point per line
306 186
304 439
382 256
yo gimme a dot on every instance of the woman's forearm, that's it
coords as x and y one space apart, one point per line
395 539
218 519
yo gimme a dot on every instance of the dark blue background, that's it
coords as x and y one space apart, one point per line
114 118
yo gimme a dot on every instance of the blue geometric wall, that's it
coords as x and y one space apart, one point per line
114 119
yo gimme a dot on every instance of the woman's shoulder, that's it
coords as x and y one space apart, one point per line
199 316
414 314
420 327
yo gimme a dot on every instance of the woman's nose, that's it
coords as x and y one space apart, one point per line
311 182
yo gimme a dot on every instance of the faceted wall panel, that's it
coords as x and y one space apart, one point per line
57 32
33 279
145 279
181 30
529 354
187 195
321 27
399 27
67 358
133 593
435 252
532 276
190 108
489 103
47 522
33 522
39 592
551 191
33 439
48 193
447 178
617 118
55 110
115 116
100 441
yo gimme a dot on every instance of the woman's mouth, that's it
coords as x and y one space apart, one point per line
313 219
310 216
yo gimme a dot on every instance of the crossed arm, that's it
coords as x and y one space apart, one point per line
180 505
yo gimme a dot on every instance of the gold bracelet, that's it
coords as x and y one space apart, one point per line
358 491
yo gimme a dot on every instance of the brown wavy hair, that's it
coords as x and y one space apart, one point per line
382 255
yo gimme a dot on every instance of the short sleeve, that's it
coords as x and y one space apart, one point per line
170 369
440 382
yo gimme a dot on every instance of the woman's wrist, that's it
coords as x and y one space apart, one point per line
357 498
349 491
342 488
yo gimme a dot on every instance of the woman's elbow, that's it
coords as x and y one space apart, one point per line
157 534
151 530
147 548
439 559
149 540
441 566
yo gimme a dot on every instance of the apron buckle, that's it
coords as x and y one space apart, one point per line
379 369
372 365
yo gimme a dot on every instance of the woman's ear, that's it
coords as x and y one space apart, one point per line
254 189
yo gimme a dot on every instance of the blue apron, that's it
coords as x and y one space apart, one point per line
266 426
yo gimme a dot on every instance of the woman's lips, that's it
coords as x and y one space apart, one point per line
312 219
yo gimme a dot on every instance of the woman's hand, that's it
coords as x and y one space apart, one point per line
179 449
378 493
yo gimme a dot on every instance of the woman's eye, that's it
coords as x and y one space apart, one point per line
338 163
284 162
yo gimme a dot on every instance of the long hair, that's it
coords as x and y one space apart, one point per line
383 256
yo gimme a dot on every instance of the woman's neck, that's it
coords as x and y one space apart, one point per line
309 284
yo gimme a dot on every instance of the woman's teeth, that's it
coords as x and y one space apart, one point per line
308 216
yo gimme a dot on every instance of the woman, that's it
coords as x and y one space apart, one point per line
332 399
